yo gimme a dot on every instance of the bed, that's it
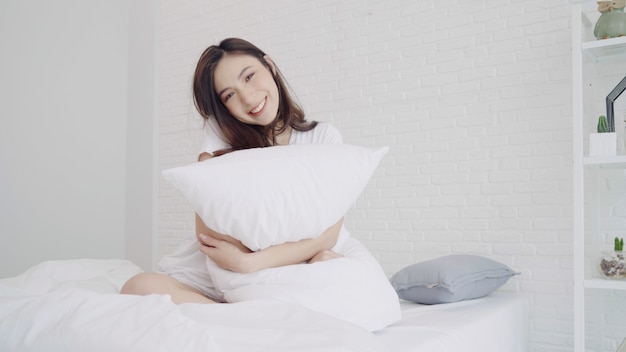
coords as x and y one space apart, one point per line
74 305
344 304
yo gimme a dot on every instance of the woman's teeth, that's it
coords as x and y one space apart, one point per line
258 107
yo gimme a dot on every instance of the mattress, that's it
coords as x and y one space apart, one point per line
498 322
74 305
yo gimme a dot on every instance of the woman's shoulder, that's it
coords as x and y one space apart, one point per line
214 138
323 133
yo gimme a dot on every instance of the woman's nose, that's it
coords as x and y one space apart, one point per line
247 95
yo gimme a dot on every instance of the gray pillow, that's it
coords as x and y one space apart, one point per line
450 278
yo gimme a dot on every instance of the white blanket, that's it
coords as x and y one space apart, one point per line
75 306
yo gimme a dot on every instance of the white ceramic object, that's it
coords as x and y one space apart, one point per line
602 144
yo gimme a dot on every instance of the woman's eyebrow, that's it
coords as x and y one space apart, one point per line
238 78
243 71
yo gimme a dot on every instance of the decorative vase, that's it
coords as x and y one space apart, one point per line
603 144
613 264
612 21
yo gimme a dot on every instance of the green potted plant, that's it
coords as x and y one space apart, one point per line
613 263
604 142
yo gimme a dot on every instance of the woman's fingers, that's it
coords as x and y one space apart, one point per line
208 240
209 245
225 254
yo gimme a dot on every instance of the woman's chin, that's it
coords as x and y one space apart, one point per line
263 120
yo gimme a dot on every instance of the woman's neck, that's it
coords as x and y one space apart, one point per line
284 137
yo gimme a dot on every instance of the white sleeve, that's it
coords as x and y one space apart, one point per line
214 139
323 133
328 134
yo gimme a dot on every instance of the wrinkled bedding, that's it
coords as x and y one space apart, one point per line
74 305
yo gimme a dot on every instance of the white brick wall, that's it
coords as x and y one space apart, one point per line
473 97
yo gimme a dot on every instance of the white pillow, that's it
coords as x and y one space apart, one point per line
353 288
269 196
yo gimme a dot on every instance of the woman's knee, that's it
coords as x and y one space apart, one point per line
156 283
146 283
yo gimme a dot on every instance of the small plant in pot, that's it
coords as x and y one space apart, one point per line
613 263
604 142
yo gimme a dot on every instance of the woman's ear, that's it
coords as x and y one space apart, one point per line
270 63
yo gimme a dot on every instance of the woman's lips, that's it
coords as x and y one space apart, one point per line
259 108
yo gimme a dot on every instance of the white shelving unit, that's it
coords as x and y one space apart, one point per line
588 57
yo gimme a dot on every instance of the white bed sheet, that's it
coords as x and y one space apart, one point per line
74 306
495 323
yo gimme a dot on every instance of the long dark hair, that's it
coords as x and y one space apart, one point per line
238 134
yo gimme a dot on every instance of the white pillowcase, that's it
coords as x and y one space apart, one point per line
269 196
353 288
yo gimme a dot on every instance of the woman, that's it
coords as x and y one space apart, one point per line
244 100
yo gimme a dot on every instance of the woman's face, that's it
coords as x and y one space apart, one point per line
247 88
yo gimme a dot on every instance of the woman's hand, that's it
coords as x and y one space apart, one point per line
226 255
224 250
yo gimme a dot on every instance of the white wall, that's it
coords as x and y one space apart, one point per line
141 134
64 137
473 97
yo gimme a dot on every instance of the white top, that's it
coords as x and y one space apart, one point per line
323 133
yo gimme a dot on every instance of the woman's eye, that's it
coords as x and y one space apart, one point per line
227 96
249 77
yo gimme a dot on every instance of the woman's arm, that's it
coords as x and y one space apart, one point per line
296 252
230 254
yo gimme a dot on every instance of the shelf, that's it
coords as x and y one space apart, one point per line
606 284
605 49
614 162
590 78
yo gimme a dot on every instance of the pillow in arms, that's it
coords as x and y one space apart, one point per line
450 278
353 288
269 196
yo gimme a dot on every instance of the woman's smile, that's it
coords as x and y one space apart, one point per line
246 87
259 108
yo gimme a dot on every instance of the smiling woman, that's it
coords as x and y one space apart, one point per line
240 88
239 91
250 94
